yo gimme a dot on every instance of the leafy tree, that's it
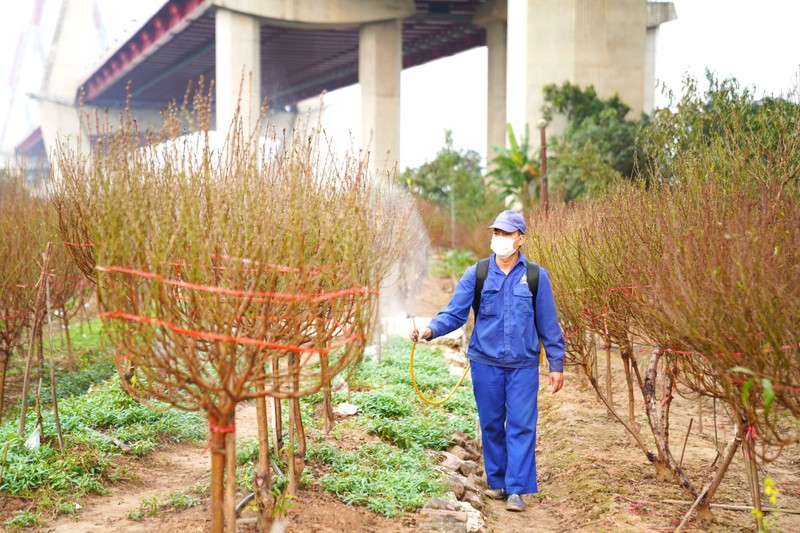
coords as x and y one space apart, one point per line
598 146
703 119
453 176
515 169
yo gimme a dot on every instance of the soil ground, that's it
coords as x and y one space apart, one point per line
591 477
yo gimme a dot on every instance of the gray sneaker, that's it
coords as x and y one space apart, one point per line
515 503
497 494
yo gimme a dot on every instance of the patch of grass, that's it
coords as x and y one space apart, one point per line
136 515
396 474
166 501
202 488
431 430
84 337
389 402
181 500
93 367
24 519
379 476
393 410
87 460
247 451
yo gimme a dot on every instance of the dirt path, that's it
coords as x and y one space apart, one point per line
175 469
537 517
180 467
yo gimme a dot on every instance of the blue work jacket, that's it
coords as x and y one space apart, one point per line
508 328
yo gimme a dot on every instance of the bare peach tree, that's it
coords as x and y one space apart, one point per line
229 273
705 255
22 241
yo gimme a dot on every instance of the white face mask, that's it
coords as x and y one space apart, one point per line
503 246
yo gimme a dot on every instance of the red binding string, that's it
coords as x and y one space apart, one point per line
315 298
750 436
214 428
228 338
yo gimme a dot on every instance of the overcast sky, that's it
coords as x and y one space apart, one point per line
754 41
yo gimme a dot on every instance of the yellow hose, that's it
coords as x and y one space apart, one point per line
419 392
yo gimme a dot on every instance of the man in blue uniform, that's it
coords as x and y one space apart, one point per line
504 356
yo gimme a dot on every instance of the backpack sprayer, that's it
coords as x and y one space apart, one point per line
482 270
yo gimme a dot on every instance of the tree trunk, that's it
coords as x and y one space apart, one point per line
299 456
595 363
56 419
626 363
296 431
700 429
659 424
277 418
291 474
26 384
751 467
263 479
217 441
222 441
635 365
230 476
327 407
68 339
609 387
703 501
730 450
4 358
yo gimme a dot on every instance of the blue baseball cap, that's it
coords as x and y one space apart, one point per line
509 221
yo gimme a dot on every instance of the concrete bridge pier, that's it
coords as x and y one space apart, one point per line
60 118
238 70
494 17
380 61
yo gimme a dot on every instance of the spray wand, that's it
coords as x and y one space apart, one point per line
414 379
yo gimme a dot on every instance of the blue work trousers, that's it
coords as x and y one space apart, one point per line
508 411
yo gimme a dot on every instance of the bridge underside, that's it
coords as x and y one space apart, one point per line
295 63
296 49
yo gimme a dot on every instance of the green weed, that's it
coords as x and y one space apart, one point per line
84 337
93 367
431 430
86 463
392 409
283 501
388 402
389 476
24 519
165 501
396 475
379 476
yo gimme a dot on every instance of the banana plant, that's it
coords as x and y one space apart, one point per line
514 170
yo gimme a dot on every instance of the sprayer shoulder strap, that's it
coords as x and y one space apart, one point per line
482 272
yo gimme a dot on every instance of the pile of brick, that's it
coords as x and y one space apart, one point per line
459 511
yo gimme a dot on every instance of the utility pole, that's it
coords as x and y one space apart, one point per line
545 200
